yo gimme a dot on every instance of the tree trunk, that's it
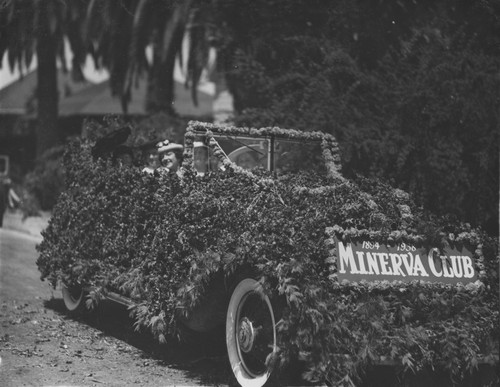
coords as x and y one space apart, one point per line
160 88
160 93
47 93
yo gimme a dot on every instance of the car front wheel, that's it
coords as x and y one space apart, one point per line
73 298
250 334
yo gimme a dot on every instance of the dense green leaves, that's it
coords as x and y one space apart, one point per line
410 89
161 240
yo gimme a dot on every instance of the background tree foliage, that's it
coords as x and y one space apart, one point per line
411 89
36 27
120 32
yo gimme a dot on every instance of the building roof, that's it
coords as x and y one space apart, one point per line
17 97
86 98
97 100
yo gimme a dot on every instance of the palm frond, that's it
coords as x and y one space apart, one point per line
174 30
94 30
74 30
17 33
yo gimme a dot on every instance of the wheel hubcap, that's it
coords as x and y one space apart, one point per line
250 334
75 294
246 335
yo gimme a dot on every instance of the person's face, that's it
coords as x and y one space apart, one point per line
170 161
125 159
153 159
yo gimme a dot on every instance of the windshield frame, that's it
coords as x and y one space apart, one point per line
210 133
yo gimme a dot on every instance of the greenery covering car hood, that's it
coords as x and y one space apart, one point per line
161 239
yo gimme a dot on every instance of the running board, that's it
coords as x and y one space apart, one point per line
115 297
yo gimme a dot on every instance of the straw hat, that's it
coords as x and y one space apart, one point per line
165 146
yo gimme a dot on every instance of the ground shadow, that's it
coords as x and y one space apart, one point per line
201 356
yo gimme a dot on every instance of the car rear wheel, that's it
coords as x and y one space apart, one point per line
74 298
250 334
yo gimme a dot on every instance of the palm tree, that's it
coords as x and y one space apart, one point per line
121 32
108 33
29 27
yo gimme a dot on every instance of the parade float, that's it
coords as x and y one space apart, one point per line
260 232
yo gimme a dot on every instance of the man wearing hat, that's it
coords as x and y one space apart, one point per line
151 159
123 156
170 155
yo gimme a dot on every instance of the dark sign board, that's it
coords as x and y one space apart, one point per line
372 261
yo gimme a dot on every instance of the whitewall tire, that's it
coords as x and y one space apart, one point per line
250 334
73 298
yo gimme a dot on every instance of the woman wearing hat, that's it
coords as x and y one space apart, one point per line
170 155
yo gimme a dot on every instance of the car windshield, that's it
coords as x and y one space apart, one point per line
289 156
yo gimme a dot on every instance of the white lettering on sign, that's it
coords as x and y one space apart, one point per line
430 258
408 263
454 266
372 260
383 262
346 258
397 261
362 269
419 269
468 269
372 263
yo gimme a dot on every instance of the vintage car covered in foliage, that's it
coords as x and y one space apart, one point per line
260 231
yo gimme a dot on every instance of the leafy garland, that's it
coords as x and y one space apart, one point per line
353 234
291 134
161 239
331 155
329 146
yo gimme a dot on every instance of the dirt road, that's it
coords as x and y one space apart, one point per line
40 345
